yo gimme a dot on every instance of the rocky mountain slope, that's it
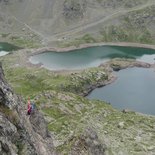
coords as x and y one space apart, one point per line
75 125
66 22
19 133
80 126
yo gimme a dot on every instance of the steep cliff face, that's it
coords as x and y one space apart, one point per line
19 133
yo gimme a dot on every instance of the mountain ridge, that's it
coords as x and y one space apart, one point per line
57 22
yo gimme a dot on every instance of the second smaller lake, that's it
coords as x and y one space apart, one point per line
134 89
5 48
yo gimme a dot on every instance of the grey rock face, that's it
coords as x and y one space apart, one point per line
19 133
4 1
88 143
73 9
93 143
8 132
7 97
39 124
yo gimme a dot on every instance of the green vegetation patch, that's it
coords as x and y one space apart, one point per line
25 42
87 38
31 81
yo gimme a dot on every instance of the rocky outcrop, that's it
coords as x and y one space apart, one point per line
88 143
6 94
4 1
119 3
8 132
19 133
119 64
74 9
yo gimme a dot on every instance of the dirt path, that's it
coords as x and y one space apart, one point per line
27 26
71 32
102 20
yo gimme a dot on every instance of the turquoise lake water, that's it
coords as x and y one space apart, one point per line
90 57
134 89
6 48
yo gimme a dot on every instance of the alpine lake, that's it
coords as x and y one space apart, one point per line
134 88
6 48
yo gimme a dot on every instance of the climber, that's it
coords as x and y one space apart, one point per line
29 107
32 107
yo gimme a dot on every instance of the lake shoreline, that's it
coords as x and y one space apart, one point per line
34 51
31 52
123 44
110 67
